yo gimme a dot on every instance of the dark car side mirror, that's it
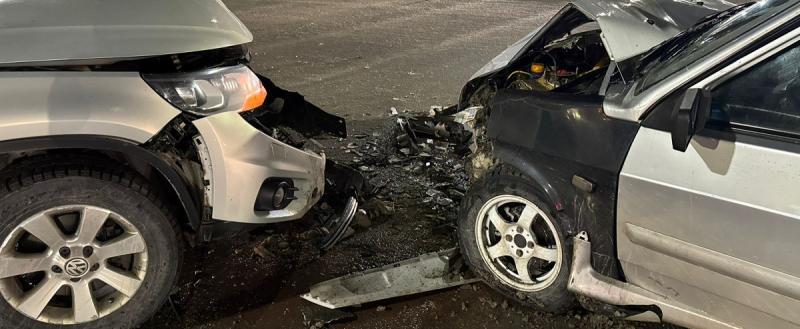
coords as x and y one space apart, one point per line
690 117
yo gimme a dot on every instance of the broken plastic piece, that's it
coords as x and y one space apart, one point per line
343 181
290 109
428 272
336 227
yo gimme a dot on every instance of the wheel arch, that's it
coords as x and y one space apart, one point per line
135 157
510 155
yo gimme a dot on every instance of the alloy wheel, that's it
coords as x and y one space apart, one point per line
518 243
72 264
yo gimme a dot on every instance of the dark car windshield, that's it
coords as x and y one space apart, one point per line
704 38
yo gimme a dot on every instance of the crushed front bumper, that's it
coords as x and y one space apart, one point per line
238 158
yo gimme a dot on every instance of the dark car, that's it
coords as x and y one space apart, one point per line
643 154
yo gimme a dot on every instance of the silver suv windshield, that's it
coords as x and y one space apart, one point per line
704 38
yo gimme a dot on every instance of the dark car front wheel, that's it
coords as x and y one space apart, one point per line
83 247
511 239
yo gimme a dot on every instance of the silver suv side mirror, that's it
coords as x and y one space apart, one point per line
689 117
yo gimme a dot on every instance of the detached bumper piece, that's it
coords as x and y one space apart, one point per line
647 306
429 272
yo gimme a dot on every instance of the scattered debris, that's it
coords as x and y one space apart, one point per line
361 219
262 252
419 157
439 125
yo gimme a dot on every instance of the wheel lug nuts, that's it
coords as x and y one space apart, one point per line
64 252
531 244
55 269
519 253
508 237
75 279
95 267
519 229
87 251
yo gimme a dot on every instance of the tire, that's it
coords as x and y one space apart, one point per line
513 192
80 188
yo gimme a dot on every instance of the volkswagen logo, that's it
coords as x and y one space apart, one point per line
76 267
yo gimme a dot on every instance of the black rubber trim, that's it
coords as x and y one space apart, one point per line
106 143
767 140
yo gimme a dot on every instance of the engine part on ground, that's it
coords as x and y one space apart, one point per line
428 272
440 125
439 128
335 227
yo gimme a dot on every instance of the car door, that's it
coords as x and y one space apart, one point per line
717 227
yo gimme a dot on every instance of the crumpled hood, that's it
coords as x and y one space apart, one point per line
34 31
629 27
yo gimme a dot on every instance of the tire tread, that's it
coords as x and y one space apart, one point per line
557 302
25 172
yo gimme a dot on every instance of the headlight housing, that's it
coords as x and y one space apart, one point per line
233 88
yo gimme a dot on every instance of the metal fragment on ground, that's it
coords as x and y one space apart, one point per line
428 272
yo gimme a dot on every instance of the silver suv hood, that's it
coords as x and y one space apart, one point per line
35 31
629 27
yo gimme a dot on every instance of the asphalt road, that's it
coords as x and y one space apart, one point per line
361 57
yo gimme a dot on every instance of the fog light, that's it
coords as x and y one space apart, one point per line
279 197
275 194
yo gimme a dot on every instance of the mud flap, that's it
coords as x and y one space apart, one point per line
290 109
428 272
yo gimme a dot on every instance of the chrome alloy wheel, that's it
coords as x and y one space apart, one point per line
518 243
72 264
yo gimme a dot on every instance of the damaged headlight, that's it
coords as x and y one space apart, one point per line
234 88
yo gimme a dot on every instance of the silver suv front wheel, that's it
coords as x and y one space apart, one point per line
83 246
58 276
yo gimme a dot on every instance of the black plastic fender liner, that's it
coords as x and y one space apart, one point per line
552 137
291 109
111 144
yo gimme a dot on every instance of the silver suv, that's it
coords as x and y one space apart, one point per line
126 129
643 154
